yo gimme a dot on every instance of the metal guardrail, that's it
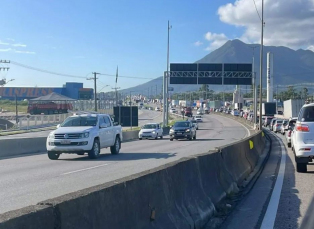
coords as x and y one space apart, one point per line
31 122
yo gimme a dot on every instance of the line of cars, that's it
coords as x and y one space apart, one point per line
283 126
185 129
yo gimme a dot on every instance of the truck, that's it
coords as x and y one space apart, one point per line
48 108
188 112
292 107
215 104
84 133
269 109
175 103
238 106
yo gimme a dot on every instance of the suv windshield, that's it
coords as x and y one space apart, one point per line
80 121
149 126
307 115
182 124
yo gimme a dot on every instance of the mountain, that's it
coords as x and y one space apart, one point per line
290 66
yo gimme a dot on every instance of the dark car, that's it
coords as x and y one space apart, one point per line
188 112
280 112
182 130
268 121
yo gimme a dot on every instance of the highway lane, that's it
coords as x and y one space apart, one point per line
295 196
28 180
145 116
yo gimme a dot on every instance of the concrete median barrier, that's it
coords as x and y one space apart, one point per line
182 194
25 146
32 217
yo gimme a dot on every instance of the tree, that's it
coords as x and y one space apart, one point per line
204 87
305 93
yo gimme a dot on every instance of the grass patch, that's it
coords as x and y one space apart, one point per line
9 105
133 128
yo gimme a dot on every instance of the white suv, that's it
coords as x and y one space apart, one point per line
84 133
302 140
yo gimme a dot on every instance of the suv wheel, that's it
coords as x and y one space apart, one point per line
115 149
53 156
95 151
194 138
301 167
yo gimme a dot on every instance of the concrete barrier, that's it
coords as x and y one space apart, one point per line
32 217
181 194
23 146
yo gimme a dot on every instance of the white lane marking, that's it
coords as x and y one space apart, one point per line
271 212
80 170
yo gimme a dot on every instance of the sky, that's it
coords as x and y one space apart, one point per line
78 37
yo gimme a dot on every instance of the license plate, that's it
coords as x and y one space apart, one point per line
65 142
179 133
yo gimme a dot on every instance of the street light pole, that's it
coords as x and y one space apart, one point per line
261 71
254 86
131 110
167 76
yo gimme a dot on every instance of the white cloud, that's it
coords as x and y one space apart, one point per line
215 40
6 50
18 45
311 47
287 23
25 52
198 43
4 43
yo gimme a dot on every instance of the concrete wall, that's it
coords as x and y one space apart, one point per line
23 146
181 194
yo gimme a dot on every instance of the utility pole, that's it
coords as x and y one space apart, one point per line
131 110
4 62
4 81
167 77
95 88
16 111
261 71
277 99
254 85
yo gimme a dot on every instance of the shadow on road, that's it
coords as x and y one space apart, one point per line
122 157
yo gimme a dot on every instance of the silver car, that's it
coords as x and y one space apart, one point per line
284 128
288 134
277 125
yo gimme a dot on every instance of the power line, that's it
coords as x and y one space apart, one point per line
131 77
257 10
46 71
68 75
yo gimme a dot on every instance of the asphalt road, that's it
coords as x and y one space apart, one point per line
31 179
288 209
145 116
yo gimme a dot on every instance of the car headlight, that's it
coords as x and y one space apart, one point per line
84 135
154 132
51 135
171 131
188 130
